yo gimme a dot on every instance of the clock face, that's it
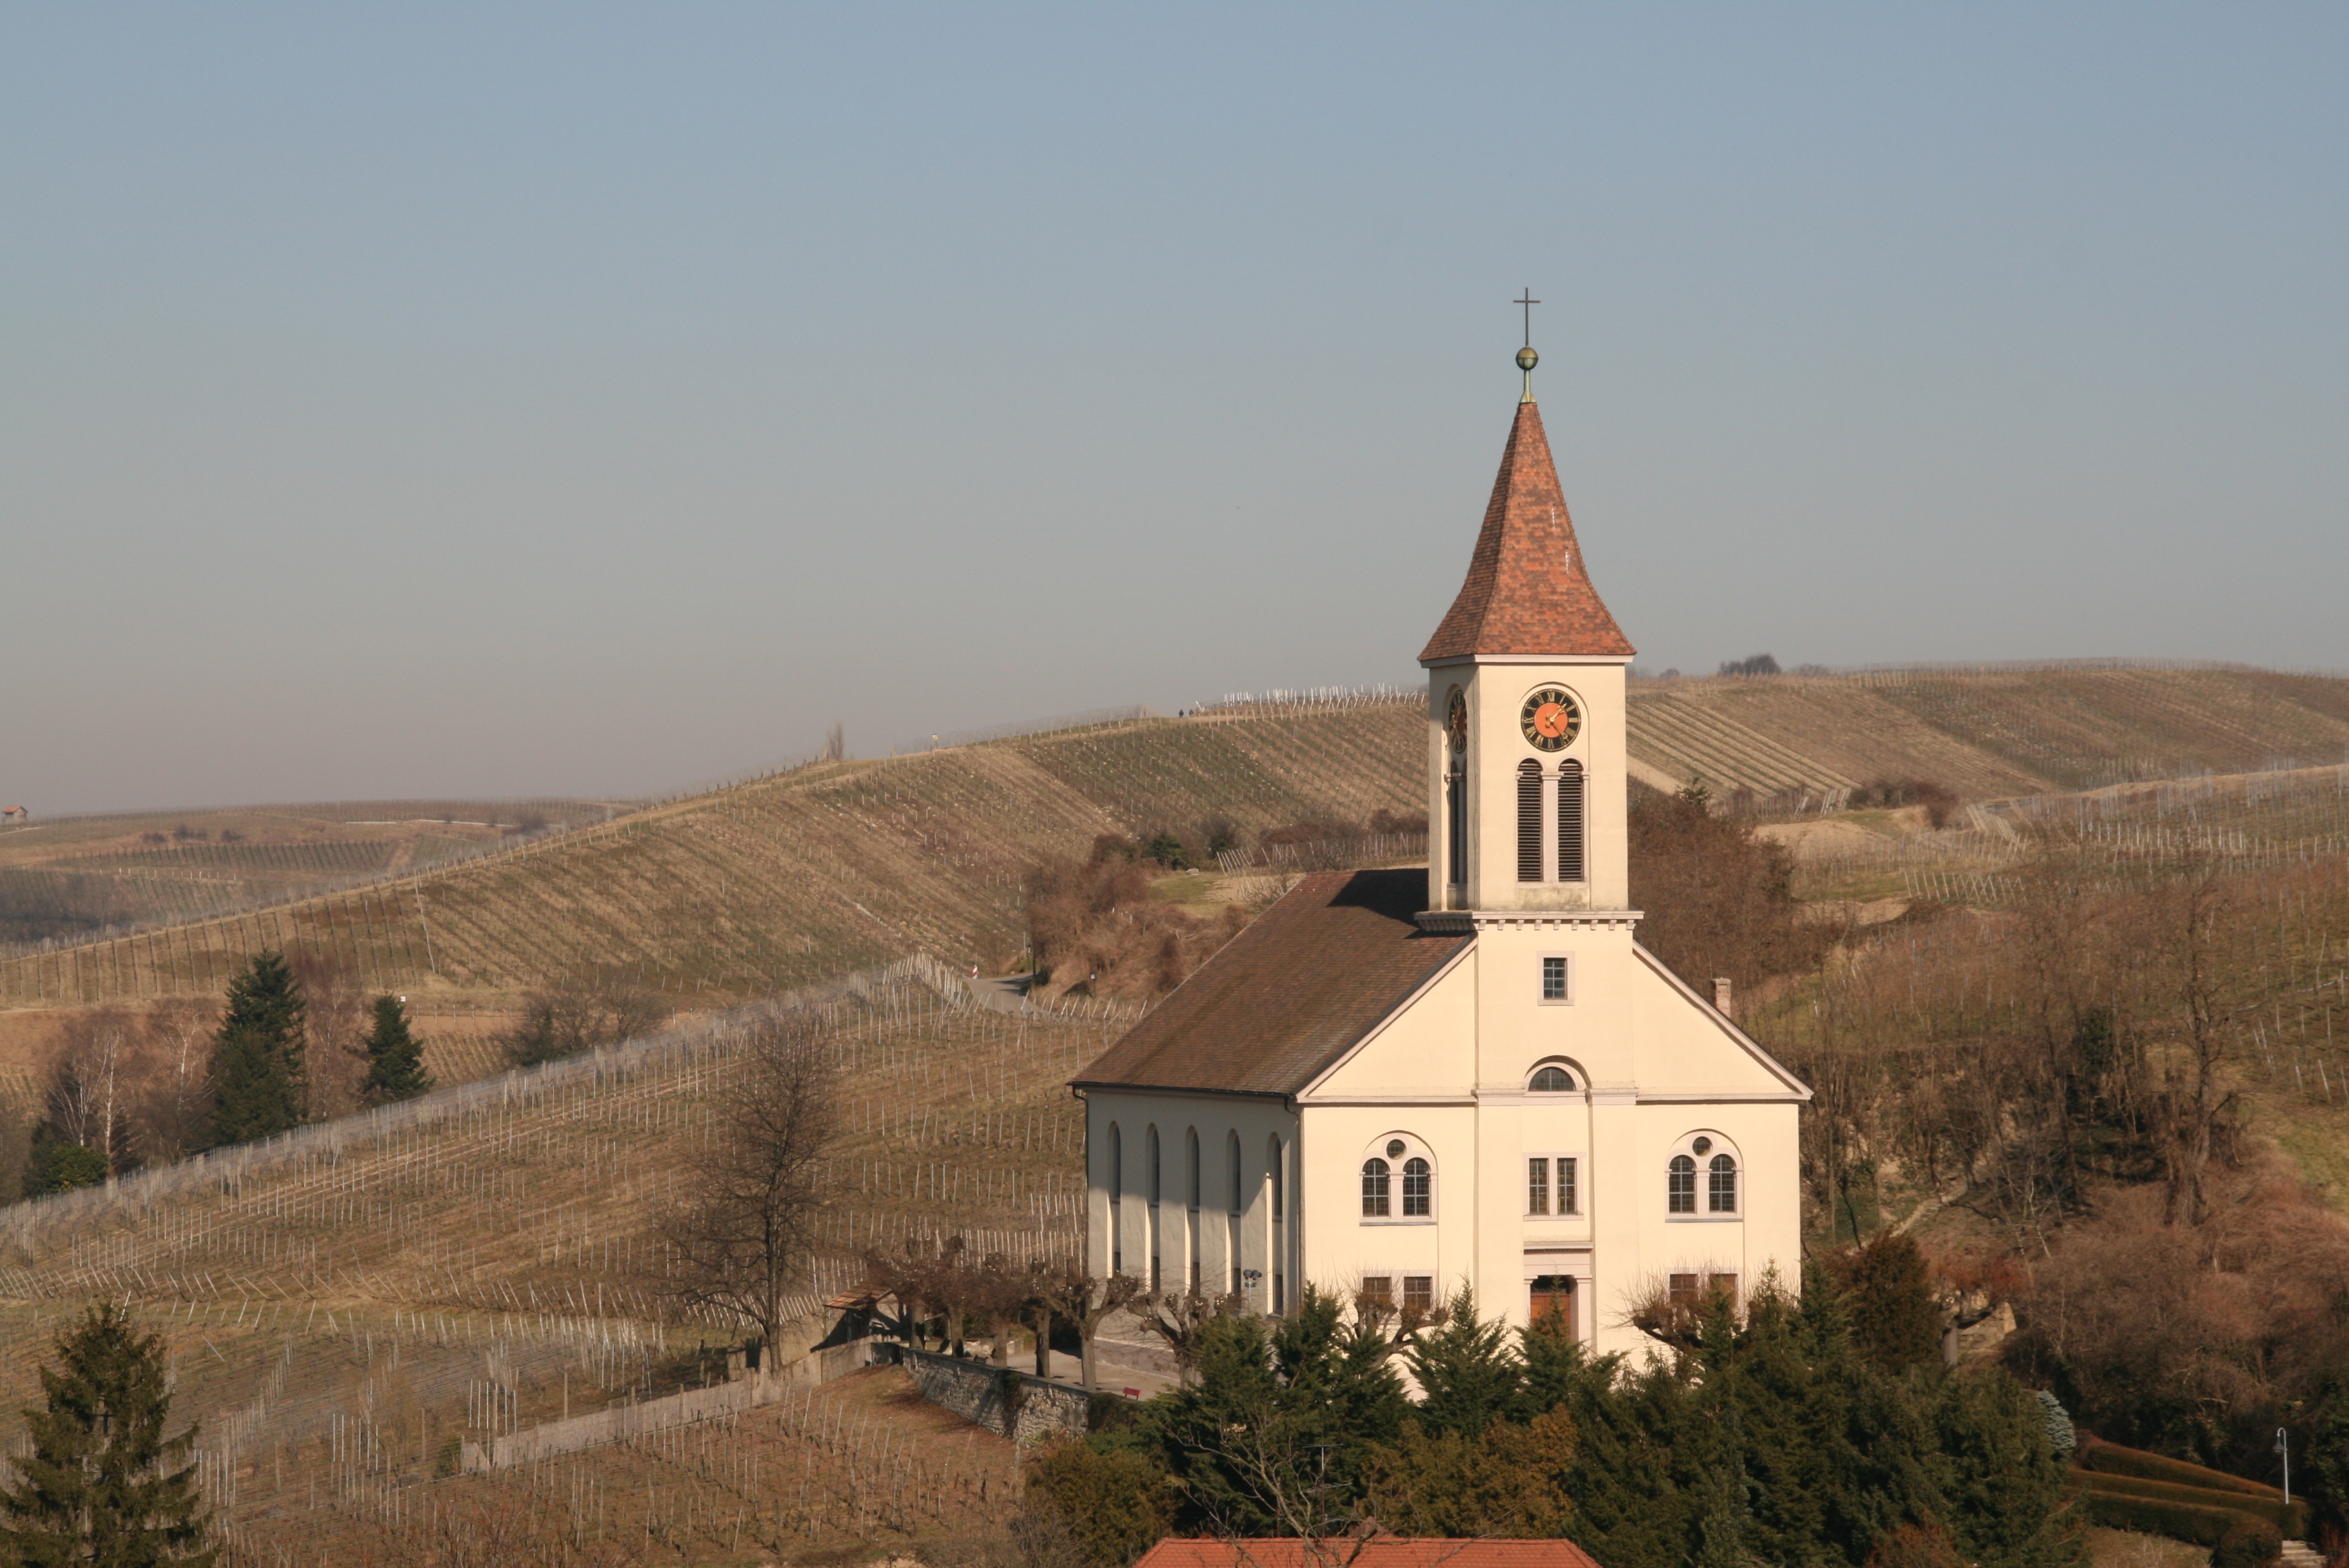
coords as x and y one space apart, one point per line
1455 721
1551 719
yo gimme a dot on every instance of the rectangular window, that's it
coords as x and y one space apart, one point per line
1554 978
1723 1285
1378 1290
1538 1185
1419 1292
1569 1197
1683 1290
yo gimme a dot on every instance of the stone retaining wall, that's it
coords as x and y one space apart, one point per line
1015 1405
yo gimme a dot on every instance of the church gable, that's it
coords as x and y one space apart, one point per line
1426 1049
1687 1049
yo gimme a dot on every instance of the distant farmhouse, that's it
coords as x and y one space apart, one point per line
1396 1082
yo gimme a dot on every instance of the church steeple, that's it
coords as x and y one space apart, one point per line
1526 764
1527 592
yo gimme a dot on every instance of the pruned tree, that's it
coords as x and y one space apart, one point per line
745 1226
1178 1316
103 1484
1083 1300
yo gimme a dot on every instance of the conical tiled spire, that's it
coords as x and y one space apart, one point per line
1526 591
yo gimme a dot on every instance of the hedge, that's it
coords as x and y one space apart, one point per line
2111 1458
2243 1540
2290 1519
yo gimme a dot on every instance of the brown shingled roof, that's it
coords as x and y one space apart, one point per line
1527 591
1289 995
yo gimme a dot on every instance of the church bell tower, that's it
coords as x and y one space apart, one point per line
1527 773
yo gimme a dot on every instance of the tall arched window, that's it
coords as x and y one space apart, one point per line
1529 785
1679 1187
1116 1199
1232 1221
1721 1188
1190 1205
1150 1217
1418 1189
1376 1178
1569 821
1455 818
1275 1165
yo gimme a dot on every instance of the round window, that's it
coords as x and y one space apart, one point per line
1394 1149
1702 1146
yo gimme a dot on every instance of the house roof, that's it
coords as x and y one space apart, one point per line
1527 591
1287 1551
1289 994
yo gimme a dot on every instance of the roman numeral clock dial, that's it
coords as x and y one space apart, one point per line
1551 719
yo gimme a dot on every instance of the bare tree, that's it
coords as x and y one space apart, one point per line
1177 1317
174 1116
746 1224
1083 1300
579 1013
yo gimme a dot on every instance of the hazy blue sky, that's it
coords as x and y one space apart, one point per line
441 400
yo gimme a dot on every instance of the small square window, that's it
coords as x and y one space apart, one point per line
1683 1290
1419 1292
1554 979
1379 1290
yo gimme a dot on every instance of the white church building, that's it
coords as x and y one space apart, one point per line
1400 1081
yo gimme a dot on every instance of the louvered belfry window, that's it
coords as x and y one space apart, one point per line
1530 844
1569 821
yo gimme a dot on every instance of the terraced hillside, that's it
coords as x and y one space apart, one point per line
834 866
345 1305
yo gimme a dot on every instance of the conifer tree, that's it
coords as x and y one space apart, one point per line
257 1055
103 1484
395 1061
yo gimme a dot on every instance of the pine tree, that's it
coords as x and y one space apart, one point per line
257 1055
99 1485
1471 1377
395 1061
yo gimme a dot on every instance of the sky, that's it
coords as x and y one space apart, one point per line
495 400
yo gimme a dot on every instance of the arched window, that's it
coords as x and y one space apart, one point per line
1680 1188
1278 1167
1455 816
1232 1221
1529 785
1116 1199
1551 1078
1720 1193
1272 1164
1418 1189
1191 1192
1375 1177
1569 821
1149 1216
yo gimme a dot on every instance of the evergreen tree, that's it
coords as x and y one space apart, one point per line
1470 1376
395 1061
99 1485
257 1055
251 1096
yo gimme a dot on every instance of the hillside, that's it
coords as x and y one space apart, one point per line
345 1304
791 879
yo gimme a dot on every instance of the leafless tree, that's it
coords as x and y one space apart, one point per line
88 1098
1083 1300
174 1114
745 1226
1177 1317
580 1012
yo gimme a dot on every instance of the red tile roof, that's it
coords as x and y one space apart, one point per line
1287 1551
1289 995
1526 591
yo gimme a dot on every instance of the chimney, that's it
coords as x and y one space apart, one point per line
1721 996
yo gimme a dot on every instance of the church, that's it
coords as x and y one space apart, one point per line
1394 1083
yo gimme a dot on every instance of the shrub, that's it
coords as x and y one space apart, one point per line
62 1167
1116 1504
2248 1543
2113 1459
1168 851
2061 1436
2287 1518
1915 1546
2152 1516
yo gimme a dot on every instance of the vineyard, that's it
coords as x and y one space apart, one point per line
787 879
348 1304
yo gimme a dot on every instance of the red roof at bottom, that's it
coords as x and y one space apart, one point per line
1289 1551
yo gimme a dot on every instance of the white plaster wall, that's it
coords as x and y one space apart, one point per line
1256 1121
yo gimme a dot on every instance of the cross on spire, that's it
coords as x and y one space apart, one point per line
1529 302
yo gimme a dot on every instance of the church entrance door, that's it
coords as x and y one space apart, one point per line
1554 1294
